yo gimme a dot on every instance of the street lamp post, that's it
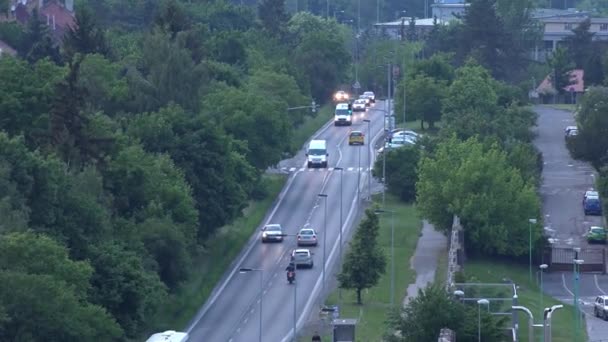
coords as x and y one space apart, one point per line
479 304
324 235
359 175
530 223
530 320
247 270
392 251
577 262
460 295
548 333
340 233
369 160
542 267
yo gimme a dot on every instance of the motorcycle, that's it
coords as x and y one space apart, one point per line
291 276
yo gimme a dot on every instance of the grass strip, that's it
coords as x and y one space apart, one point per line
493 271
210 266
376 301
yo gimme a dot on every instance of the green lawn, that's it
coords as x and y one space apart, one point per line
310 126
376 301
529 296
563 106
210 267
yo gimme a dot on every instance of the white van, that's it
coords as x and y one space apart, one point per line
317 153
343 114
169 336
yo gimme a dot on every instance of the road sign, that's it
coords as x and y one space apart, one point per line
357 85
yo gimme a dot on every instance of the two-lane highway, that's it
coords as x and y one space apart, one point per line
232 313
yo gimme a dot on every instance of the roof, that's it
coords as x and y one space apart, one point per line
6 49
59 18
418 22
541 13
576 76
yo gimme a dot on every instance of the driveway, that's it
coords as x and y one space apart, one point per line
564 182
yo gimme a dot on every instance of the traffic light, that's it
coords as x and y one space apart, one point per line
350 108
314 106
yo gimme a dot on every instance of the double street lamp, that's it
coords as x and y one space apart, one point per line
324 196
379 211
247 270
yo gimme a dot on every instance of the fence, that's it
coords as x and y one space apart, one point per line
455 252
562 259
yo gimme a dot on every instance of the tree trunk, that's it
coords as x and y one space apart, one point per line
359 296
422 125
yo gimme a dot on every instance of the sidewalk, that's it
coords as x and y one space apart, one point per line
426 258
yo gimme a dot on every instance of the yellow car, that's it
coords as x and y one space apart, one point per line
356 138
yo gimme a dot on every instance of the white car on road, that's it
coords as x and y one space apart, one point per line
359 105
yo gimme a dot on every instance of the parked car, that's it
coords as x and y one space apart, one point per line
591 203
600 307
571 131
302 257
272 232
307 237
356 138
402 133
596 235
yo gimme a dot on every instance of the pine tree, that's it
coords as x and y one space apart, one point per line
84 36
365 261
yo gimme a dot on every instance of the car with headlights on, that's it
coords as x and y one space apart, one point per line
341 95
272 233
359 105
371 96
307 237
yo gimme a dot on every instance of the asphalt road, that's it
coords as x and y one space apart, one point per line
232 312
564 182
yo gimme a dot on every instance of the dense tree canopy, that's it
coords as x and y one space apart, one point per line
127 144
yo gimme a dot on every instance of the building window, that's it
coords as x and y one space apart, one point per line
568 26
603 27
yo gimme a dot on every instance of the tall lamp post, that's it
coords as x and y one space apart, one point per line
577 262
530 223
480 302
379 211
340 233
542 268
369 160
247 270
324 196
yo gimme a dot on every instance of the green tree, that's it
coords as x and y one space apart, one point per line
561 66
38 43
365 261
44 293
123 286
437 66
592 124
424 96
476 183
84 36
420 320
579 45
105 89
273 16
172 18
401 172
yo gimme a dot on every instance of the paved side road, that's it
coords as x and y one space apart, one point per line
564 182
426 258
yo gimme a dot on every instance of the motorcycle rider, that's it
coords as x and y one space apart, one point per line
291 270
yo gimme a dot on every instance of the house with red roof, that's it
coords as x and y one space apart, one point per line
6 50
576 88
58 15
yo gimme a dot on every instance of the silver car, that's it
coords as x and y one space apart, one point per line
307 237
302 258
272 232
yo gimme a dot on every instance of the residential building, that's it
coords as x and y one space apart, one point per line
547 91
393 28
58 15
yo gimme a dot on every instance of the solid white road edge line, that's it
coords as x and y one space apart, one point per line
214 297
